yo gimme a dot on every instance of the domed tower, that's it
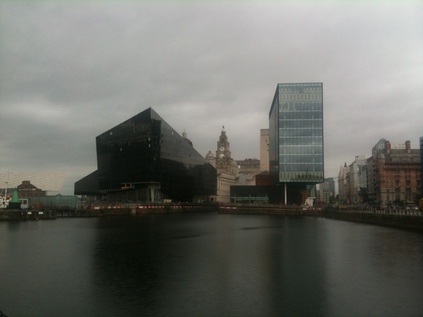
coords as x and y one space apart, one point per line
233 168
211 159
223 152
227 168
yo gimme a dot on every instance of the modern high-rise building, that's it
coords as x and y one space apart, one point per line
145 159
296 152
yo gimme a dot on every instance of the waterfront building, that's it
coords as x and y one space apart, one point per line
26 190
226 166
51 182
145 159
296 153
371 180
396 170
264 150
343 183
326 191
248 170
357 179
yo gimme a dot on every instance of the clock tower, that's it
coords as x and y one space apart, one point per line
227 168
223 152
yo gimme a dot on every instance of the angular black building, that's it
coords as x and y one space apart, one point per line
145 159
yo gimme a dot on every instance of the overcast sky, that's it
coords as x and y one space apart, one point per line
70 70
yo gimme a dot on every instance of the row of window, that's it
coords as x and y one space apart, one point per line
301 177
300 133
310 105
300 88
306 137
294 159
294 144
304 97
299 167
300 124
315 115
300 150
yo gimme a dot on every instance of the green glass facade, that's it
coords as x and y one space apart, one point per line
296 150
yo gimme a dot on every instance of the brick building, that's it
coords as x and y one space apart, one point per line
26 189
396 174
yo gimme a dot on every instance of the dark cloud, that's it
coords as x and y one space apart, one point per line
71 70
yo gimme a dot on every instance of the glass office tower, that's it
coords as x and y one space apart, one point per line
296 136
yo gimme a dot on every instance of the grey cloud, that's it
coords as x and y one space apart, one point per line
69 71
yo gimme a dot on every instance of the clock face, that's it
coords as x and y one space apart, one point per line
222 148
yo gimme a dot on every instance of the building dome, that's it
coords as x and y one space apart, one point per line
209 155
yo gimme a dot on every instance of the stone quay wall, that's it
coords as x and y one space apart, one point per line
400 218
266 209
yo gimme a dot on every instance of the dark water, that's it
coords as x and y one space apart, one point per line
209 265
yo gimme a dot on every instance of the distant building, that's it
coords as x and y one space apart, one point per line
357 179
296 139
343 183
145 159
371 180
263 179
248 169
396 173
46 181
264 150
326 191
226 166
26 190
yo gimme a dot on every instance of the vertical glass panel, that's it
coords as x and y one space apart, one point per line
300 132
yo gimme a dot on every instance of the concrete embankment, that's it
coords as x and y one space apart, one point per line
137 210
262 209
406 221
22 215
172 209
140 210
398 219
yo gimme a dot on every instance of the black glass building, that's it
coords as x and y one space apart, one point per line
144 158
296 154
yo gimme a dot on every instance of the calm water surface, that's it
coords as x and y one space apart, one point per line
208 265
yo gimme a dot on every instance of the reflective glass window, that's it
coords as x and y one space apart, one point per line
300 132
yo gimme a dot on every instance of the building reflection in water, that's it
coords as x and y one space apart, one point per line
217 265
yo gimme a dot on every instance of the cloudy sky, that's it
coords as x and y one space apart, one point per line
70 70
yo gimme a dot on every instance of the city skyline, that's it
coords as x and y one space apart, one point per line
70 71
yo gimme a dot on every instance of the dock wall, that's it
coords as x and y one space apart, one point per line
266 209
394 218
